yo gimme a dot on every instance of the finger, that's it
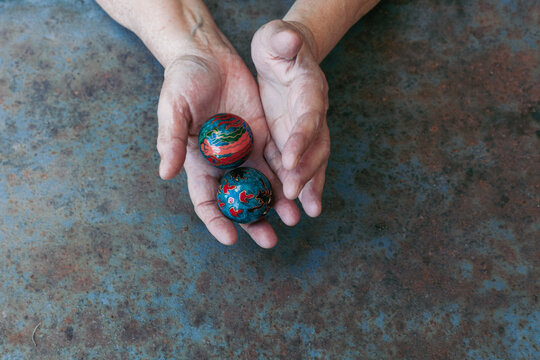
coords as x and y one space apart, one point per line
311 194
312 160
272 155
301 137
262 233
286 209
202 190
173 119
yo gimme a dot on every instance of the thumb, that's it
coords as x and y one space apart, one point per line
277 39
173 122
285 43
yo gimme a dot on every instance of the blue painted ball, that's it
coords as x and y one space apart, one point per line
244 195
225 140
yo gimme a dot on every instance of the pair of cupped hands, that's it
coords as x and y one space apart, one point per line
285 108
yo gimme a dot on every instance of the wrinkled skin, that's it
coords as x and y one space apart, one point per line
286 112
294 94
197 86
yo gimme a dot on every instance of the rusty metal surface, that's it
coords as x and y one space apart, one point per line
428 246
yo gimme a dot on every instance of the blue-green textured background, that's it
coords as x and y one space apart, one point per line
427 248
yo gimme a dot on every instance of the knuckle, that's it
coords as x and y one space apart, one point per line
162 139
299 137
200 207
324 145
163 112
273 160
324 83
160 147
212 220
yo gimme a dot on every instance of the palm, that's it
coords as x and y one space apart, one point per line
196 88
294 95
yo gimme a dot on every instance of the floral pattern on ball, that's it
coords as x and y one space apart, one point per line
244 195
225 140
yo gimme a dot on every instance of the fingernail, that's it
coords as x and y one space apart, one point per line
293 163
297 191
161 168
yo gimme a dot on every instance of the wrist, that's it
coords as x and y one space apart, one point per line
328 21
206 45
185 28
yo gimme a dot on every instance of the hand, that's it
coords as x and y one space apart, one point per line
196 86
294 94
